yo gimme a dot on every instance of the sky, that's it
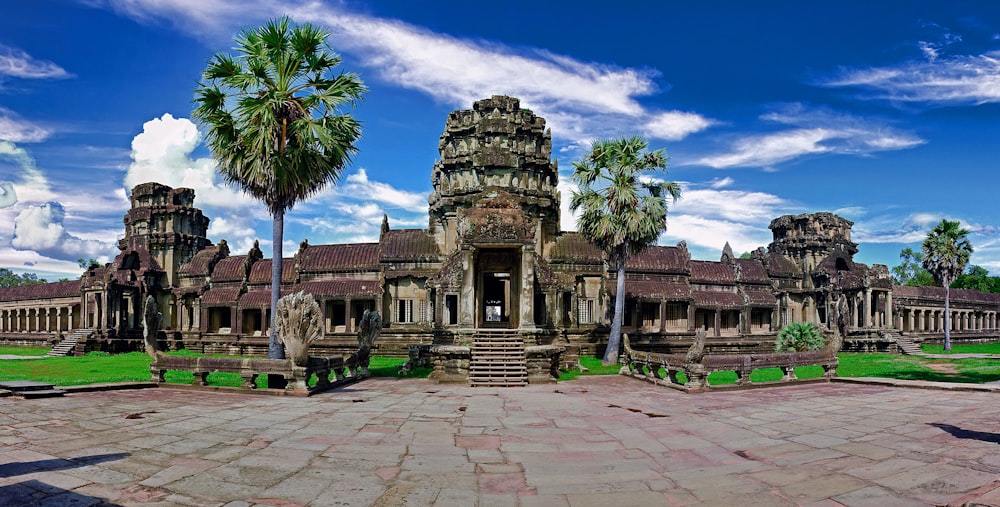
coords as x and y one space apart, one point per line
883 112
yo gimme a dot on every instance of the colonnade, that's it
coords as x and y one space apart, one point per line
41 319
931 320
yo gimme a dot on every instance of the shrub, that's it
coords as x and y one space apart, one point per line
797 337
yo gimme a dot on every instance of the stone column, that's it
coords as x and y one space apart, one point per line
663 315
888 310
48 321
347 315
527 303
868 309
718 323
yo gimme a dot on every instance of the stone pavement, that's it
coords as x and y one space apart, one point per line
598 441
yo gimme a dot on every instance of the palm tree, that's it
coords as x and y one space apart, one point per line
272 115
946 252
623 209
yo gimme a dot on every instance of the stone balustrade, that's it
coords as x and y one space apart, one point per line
345 369
663 369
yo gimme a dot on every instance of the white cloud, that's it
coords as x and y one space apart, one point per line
582 100
817 131
358 185
721 182
567 218
17 130
161 153
17 63
938 79
676 125
33 186
40 228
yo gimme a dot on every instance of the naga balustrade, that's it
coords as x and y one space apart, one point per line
696 365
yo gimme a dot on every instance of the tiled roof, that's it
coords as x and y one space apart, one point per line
760 297
69 288
348 257
712 272
659 259
654 289
199 264
781 266
715 299
408 245
259 298
752 271
146 261
937 293
220 297
341 288
260 272
571 247
229 269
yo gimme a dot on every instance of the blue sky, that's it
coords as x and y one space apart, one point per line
882 112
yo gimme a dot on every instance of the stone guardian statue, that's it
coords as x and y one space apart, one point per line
299 324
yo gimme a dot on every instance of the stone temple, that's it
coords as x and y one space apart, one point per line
493 259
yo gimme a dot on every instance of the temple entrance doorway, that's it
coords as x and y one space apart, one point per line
497 287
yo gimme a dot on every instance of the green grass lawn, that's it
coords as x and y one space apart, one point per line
23 351
974 348
98 367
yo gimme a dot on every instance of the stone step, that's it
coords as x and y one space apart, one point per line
18 386
41 393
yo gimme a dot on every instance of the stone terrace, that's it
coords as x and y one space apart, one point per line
597 441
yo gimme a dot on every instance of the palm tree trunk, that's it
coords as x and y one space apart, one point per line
615 340
947 317
275 349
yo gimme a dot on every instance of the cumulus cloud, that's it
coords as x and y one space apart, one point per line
812 131
358 184
40 228
161 153
32 186
676 125
17 63
709 215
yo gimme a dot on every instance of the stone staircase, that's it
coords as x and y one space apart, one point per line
68 345
29 389
498 359
906 346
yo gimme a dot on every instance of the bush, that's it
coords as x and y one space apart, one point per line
797 337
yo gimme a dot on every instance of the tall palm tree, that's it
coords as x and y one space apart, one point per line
623 209
273 120
946 252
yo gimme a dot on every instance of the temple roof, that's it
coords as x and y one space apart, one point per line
200 263
571 246
937 293
659 259
782 267
408 245
69 288
674 290
712 272
229 269
342 287
760 296
343 257
259 298
260 272
717 299
218 297
752 271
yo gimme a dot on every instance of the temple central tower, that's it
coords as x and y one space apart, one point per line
492 149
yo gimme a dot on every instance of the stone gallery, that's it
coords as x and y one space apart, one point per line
493 264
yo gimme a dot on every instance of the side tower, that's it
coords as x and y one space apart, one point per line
494 146
164 222
810 239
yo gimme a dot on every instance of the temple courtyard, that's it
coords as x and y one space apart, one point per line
597 441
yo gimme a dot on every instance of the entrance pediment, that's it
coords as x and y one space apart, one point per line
496 219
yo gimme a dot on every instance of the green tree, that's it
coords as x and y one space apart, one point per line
797 337
87 263
9 278
622 209
977 278
274 121
910 270
946 251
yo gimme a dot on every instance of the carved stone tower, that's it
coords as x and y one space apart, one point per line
810 239
164 222
495 146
